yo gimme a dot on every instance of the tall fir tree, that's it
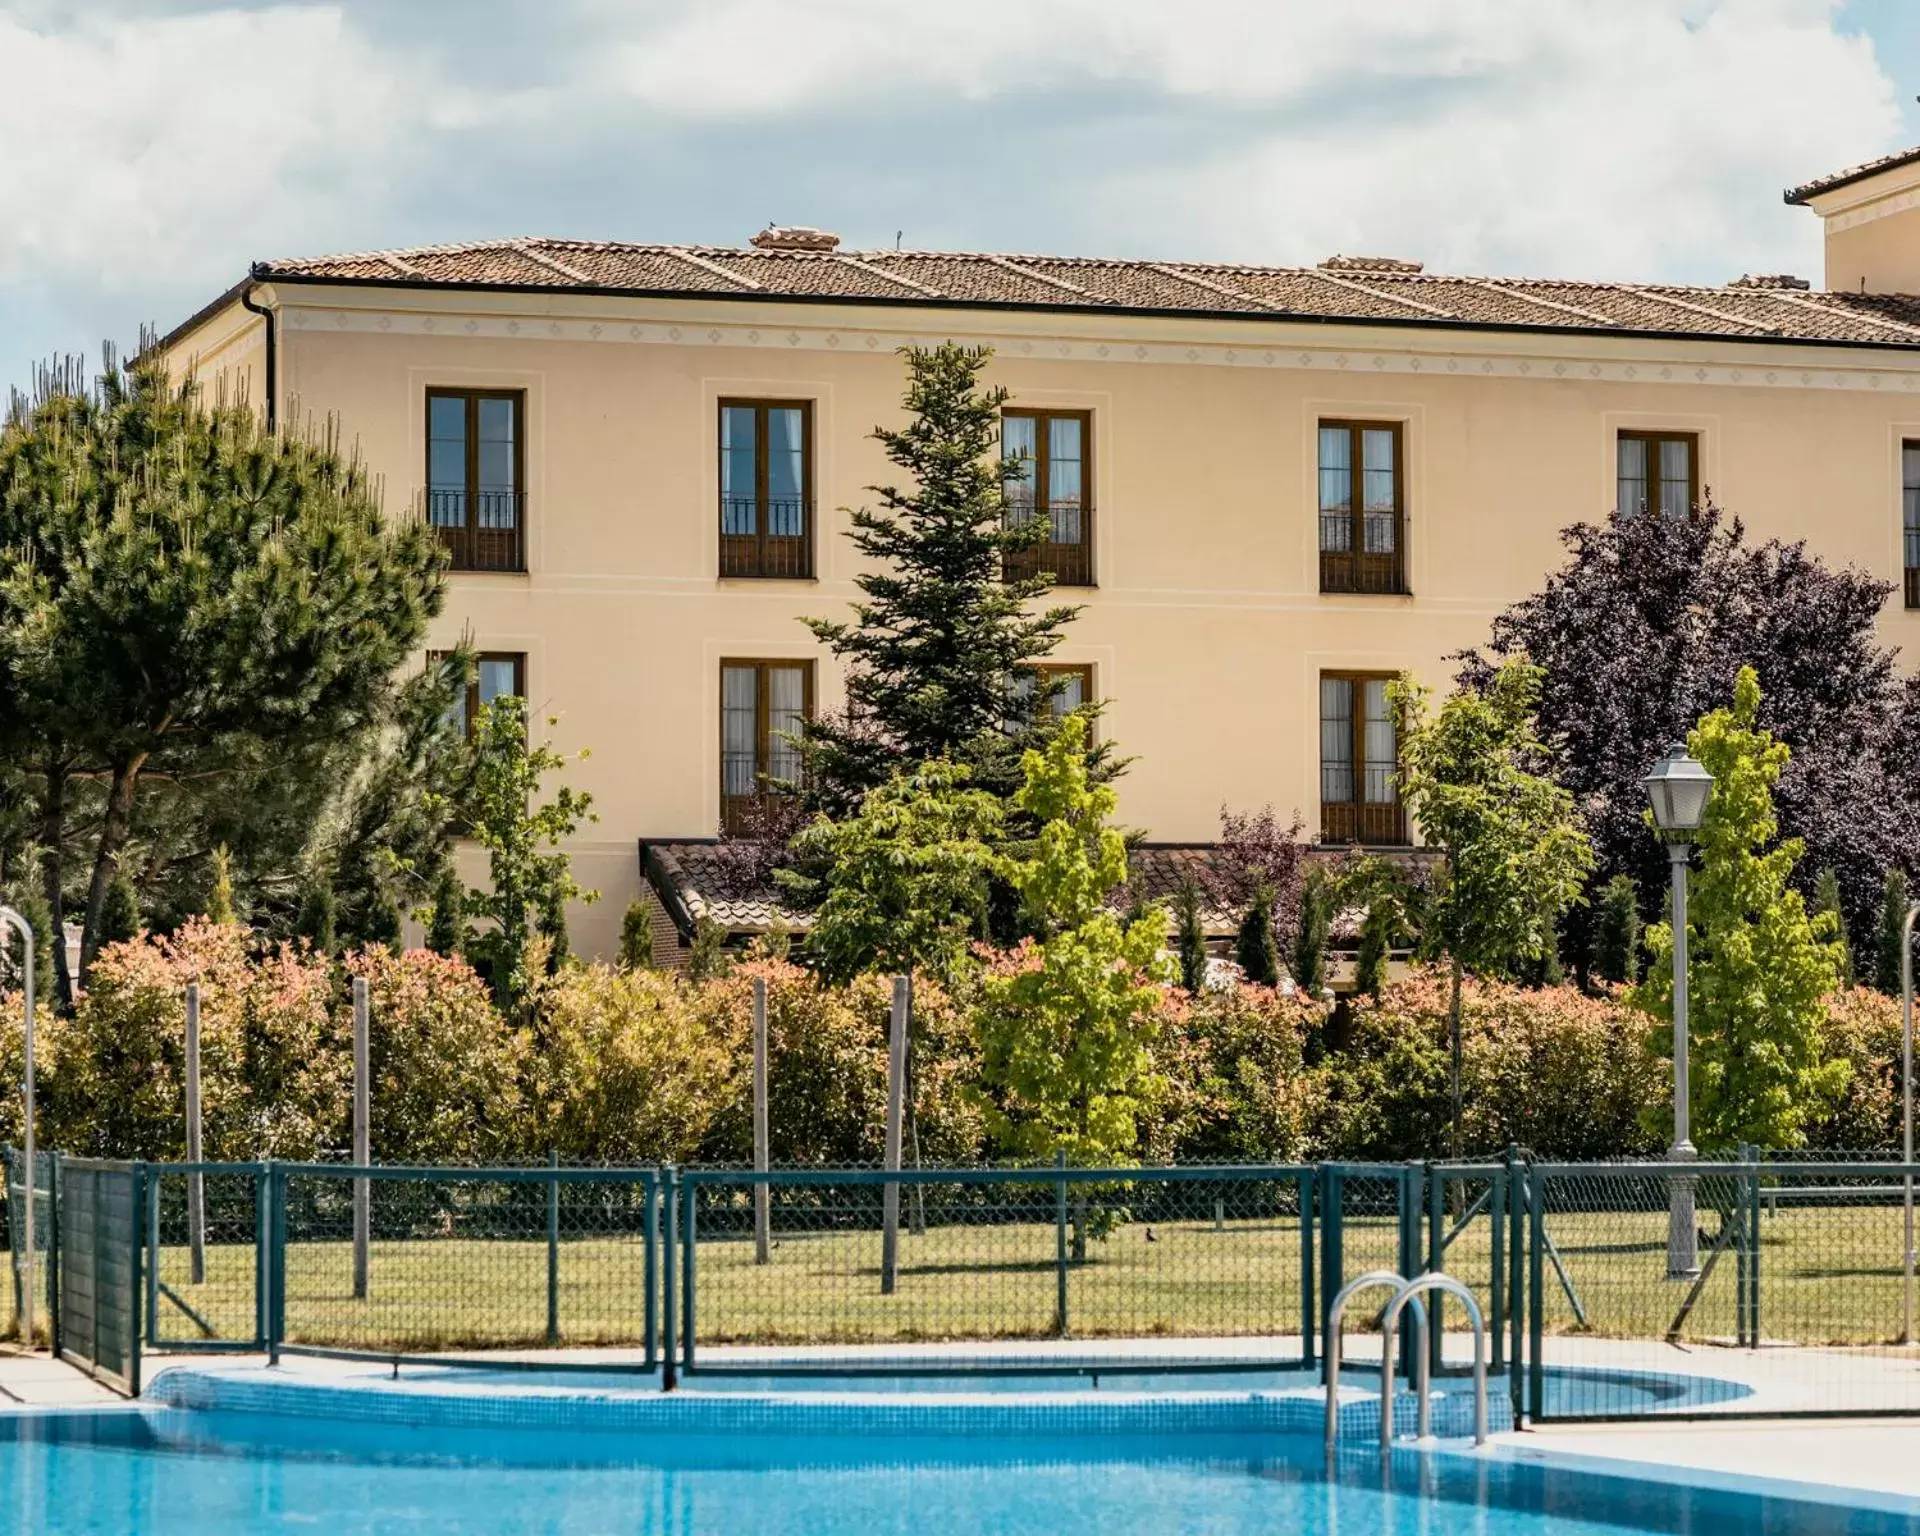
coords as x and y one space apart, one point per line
940 632
314 921
120 913
1617 930
1190 934
1826 905
447 921
30 904
1256 950
1894 900
636 937
1312 932
220 903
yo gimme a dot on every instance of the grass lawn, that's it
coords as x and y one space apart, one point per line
1829 1276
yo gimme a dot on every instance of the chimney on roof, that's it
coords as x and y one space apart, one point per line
1776 280
1369 264
795 237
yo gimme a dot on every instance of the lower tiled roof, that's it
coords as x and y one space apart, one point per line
1345 289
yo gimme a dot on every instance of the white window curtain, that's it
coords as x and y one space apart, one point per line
739 487
786 471
739 721
1064 477
1336 491
1381 746
786 711
1631 493
1336 741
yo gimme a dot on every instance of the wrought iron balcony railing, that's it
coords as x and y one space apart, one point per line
1067 552
766 539
484 531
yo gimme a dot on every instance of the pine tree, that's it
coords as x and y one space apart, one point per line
940 633
120 914
1190 934
1894 900
314 921
381 924
48 949
181 590
1617 932
447 922
1255 950
220 907
1310 939
1826 907
552 925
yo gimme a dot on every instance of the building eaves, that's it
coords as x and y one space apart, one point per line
1807 190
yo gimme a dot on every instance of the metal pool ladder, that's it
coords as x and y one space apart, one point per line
1405 1293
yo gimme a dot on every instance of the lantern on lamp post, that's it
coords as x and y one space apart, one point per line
1677 788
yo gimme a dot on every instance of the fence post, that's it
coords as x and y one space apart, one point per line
762 1195
689 1256
362 1142
896 1097
1753 1243
262 1250
1306 1269
1060 1247
139 1179
670 1265
1436 1182
196 1183
1498 1193
553 1250
650 1262
151 1200
277 1260
1516 1281
1413 1179
1536 1291
1333 1239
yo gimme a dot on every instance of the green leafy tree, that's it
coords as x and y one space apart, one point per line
524 837
1894 900
636 937
1826 902
120 915
1190 935
707 956
1381 888
1515 854
1314 930
905 884
1067 1027
1759 965
939 633
1617 931
181 589
1256 950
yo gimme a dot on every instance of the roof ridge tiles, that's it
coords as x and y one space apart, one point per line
1169 269
1011 264
682 253
901 278
527 249
1513 291
1366 288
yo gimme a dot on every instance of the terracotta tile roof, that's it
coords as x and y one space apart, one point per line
695 879
1852 173
1347 288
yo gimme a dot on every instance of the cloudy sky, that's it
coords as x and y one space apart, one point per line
149 149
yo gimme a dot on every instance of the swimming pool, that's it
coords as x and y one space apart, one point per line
160 1471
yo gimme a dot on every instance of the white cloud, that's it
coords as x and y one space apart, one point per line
139 148
1635 138
146 153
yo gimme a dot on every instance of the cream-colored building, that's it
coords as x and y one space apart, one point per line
1271 487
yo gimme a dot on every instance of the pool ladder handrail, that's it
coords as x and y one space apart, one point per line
1336 1330
1405 1293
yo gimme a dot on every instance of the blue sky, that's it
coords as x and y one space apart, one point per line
149 149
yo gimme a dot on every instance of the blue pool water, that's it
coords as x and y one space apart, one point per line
160 1471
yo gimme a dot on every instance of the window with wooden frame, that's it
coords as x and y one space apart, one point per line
1363 506
1910 517
493 673
766 488
1068 685
1054 488
1359 761
1657 471
477 476
763 704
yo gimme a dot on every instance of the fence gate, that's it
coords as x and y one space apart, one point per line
97 1208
